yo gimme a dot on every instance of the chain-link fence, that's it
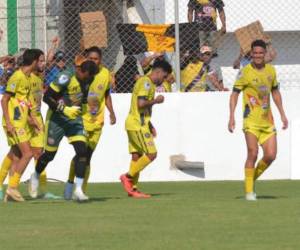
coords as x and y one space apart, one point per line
206 36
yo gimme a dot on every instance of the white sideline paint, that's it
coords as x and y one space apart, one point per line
193 124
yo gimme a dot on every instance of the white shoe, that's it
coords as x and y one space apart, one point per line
78 195
251 196
68 191
33 186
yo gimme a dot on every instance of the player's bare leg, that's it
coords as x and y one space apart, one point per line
18 167
269 155
252 152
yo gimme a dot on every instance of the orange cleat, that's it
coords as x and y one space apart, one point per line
127 183
139 195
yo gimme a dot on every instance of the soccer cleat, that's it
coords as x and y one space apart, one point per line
68 191
251 196
139 195
1 194
127 183
33 186
13 194
78 195
50 196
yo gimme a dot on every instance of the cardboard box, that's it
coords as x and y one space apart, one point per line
94 29
247 34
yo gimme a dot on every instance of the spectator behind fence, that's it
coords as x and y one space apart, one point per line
57 66
244 60
127 75
9 65
204 12
193 73
214 79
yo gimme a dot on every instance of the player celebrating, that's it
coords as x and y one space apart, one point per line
64 98
16 114
140 131
93 114
257 81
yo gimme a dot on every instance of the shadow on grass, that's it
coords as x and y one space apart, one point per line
263 197
161 194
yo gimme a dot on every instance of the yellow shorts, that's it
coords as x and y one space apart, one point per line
93 137
141 141
22 135
37 138
261 133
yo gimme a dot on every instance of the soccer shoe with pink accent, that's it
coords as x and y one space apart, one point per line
127 183
139 195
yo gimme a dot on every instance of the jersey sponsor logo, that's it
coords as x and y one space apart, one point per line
147 85
63 79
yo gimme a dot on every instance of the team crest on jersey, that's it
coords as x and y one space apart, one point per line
270 78
263 88
147 85
21 131
13 86
63 79
100 87
147 135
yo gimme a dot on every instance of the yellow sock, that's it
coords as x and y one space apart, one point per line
135 181
260 168
43 182
86 178
249 180
139 165
14 180
72 172
5 167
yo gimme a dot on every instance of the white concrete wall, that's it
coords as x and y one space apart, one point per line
192 124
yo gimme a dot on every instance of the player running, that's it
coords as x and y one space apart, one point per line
65 97
139 128
93 115
257 81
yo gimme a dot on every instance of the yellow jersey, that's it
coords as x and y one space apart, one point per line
257 86
190 74
18 86
143 88
93 111
36 94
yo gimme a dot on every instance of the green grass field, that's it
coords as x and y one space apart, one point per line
181 215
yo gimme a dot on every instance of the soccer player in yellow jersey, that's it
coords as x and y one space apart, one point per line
16 114
93 114
257 81
139 128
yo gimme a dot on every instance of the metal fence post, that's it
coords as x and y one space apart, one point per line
177 48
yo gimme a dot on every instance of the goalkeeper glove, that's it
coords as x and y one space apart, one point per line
72 112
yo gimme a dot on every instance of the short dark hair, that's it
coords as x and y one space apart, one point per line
29 56
259 43
90 67
39 52
94 49
164 65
